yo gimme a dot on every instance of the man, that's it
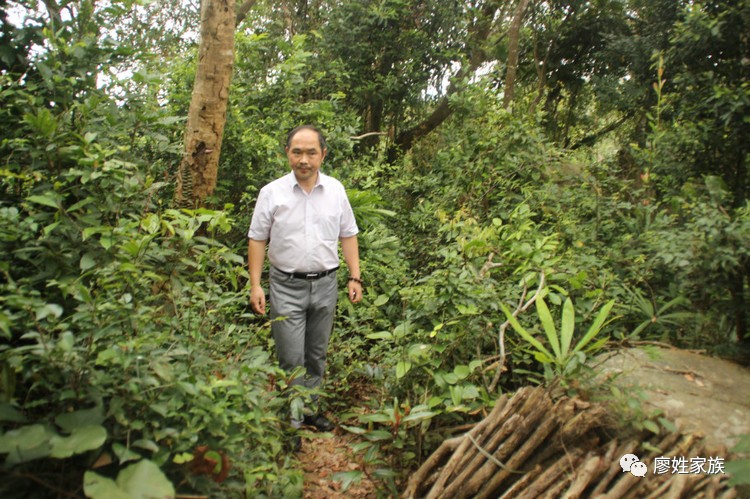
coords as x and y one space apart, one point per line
301 217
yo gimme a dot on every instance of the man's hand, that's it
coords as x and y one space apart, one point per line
355 292
258 300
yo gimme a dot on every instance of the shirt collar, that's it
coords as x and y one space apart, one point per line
321 182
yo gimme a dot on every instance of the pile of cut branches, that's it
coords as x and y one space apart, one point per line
531 446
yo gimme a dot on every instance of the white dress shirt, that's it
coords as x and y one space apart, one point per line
302 229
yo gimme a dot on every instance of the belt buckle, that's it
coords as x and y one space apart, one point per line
312 275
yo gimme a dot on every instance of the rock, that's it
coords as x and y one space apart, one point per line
700 394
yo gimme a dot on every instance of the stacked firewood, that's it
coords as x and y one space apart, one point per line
531 446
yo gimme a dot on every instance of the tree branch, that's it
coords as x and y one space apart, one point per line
243 10
368 134
479 32
591 139
513 41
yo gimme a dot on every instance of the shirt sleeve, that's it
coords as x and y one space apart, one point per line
260 225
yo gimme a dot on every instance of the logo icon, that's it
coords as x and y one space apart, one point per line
631 463
638 469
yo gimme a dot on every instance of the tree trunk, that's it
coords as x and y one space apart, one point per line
196 177
514 35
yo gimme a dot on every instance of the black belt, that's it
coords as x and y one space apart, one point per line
309 275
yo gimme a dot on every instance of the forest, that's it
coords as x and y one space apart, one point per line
536 182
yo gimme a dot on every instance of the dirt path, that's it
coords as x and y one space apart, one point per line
324 456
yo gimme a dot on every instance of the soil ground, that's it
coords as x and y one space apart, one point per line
324 456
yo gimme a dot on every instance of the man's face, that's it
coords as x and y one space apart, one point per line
305 156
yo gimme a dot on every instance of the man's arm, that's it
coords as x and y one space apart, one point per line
350 249
256 254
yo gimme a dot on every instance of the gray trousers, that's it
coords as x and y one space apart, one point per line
308 307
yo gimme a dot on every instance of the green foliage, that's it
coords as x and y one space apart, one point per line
659 321
629 410
124 331
565 358
620 173
389 436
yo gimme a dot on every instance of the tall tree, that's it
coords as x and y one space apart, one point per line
198 170
196 177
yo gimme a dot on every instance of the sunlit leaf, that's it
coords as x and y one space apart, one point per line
567 327
402 367
549 326
524 334
596 326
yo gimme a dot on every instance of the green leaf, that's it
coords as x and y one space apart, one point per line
461 371
468 309
51 227
96 486
419 351
10 414
66 341
740 471
146 444
87 262
471 392
418 416
380 300
437 329
549 326
214 456
402 368
377 435
651 426
71 421
151 223
596 326
402 329
360 447
667 425
45 311
347 478
124 454
380 335
375 417
743 446
567 327
80 204
145 480
50 199
80 441
524 334
457 394
29 437
354 429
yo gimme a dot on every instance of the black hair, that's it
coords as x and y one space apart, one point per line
321 138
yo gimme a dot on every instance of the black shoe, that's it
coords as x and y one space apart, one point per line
320 422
